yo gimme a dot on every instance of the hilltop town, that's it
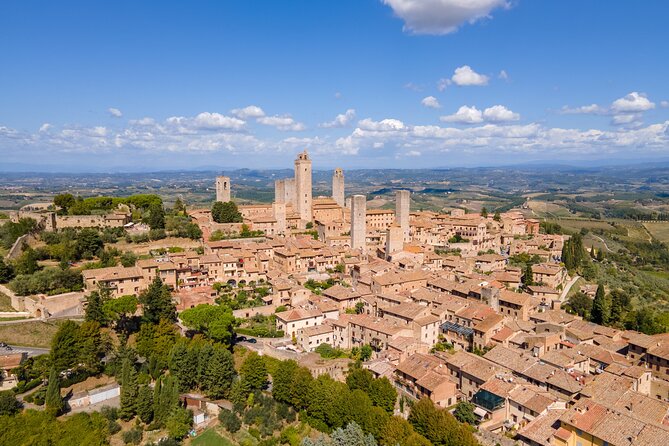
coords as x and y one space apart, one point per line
471 311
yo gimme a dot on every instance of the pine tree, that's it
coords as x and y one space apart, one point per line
53 400
601 307
129 390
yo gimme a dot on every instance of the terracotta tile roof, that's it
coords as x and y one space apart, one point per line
543 428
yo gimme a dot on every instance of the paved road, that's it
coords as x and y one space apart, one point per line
32 351
571 283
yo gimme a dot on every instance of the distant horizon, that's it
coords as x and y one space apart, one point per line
538 164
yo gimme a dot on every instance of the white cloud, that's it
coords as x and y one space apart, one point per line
464 115
499 113
441 16
341 120
205 121
338 95
284 123
413 153
465 76
431 102
115 112
583 110
664 104
385 125
45 127
631 103
627 119
251 111
503 75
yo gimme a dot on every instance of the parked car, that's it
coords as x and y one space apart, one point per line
241 339
252 341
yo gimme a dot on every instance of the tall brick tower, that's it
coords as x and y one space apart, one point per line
358 222
402 209
303 191
338 186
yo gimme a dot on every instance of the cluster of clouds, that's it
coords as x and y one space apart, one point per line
626 111
442 16
468 131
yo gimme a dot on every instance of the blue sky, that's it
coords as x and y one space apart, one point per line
130 85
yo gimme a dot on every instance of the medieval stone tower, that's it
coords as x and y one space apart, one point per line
338 186
402 209
223 189
358 222
303 192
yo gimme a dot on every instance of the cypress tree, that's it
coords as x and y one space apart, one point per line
53 400
528 279
94 312
219 373
145 404
129 390
601 307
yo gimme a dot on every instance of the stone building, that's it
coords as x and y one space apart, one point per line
338 194
223 189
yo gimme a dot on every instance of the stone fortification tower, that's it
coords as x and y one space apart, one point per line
338 187
303 190
402 209
358 222
223 189
394 240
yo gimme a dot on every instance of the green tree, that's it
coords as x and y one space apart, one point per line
89 243
216 322
528 279
6 271
156 218
90 347
282 380
179 422
128 259
497 217
601 307
219 372
439 426
621 304
129 390
145 404
581 304
253 372
64 346
229 420
9 405
157 303
119 311
64 201
484 212
365 353
226 212
94 306
27 262
383 394
53 400
179 207
464 413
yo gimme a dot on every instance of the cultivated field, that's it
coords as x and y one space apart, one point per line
659 230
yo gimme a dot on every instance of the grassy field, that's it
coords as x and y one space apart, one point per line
33 334
5 303
210 438
577 225
659 230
